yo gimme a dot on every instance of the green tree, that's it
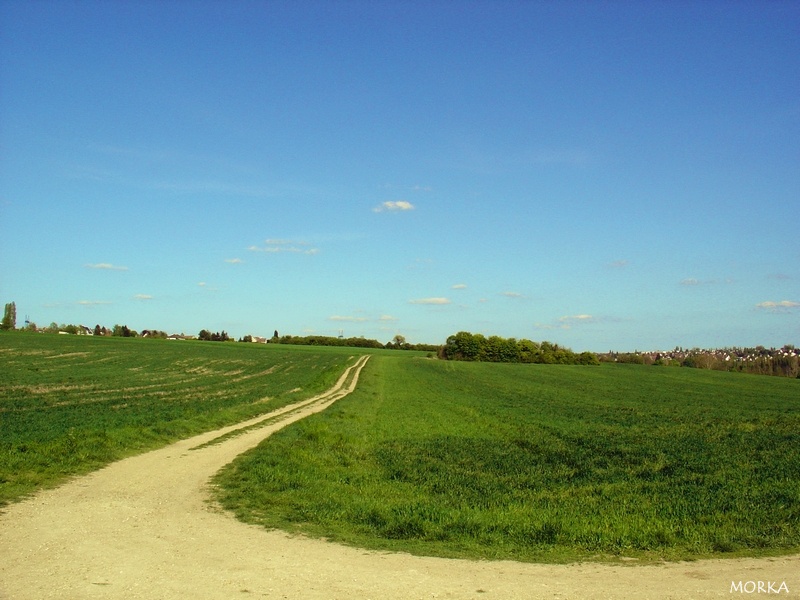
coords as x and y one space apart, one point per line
469 346
463 346
9 317
547 352
509 351
490 348
588 358
123 331
528 351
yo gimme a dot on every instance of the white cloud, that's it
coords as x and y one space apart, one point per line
691 281
201 283
782 306
394 206
459 286
348 319
93 302
512 295
107 267
567 322
576 318
430 301
275 246
143 297
234 261
354 319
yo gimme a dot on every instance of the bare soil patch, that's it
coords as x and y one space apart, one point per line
143 528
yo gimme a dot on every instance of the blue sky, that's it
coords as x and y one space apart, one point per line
604 175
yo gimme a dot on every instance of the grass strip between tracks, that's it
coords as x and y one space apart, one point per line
339 391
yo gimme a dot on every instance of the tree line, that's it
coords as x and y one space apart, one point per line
116 331
206 336
477 347
784 362
324 340
781 362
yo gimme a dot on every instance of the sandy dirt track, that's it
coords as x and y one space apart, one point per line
142 528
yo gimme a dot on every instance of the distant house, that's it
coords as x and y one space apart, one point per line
258 340
180 336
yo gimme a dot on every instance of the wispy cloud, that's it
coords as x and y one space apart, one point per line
691 281
619 264
90 303
421 264
512 295
277 246
571 319
106 267
782 306
459 286
394 206
567 322
234 261
348 319
360 319
430 301
143 297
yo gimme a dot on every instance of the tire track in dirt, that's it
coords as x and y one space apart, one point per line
143 528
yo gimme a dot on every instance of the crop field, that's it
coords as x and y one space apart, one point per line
525 462
70 404
537 463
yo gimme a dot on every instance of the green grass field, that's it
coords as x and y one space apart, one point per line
537 463
526 462
70 404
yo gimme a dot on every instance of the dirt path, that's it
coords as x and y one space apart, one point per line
142 528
